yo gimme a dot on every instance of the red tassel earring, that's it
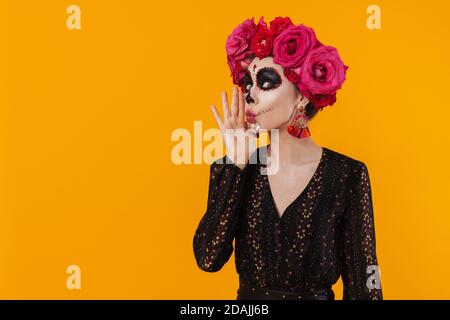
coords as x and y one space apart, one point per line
299 128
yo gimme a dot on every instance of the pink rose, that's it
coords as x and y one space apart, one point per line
279 24
291 46
322 72
238 42
238 48
238 69
235 68
262 40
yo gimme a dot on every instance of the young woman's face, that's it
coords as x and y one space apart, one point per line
270 97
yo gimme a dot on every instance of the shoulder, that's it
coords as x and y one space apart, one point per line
354 166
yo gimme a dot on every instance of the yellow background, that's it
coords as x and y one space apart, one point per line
86 117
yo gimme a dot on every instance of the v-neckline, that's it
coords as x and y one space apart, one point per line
300 195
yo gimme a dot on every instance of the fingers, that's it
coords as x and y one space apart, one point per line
241 108
217 117
235 102
226 111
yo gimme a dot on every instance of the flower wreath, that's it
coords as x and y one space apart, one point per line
316 69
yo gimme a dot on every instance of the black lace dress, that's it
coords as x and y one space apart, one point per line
326 232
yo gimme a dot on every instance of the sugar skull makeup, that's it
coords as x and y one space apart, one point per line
270 97
267 78
280 63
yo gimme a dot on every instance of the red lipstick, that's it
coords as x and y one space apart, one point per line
250 116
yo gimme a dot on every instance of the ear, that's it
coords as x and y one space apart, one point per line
301 99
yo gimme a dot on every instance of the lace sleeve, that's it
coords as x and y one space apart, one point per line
215 233
360 274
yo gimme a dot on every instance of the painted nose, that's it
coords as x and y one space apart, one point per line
249 99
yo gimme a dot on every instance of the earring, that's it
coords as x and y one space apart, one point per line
299 128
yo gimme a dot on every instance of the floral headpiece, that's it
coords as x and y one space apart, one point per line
316 69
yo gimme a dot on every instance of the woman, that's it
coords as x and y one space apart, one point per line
296 230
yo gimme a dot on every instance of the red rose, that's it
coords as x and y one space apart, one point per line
291 75
279 24
262 40
323 100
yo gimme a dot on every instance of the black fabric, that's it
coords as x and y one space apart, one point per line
326 232
250 292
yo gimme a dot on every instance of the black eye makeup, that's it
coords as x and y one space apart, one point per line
248 82
268 78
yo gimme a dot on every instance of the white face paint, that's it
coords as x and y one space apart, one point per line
270 98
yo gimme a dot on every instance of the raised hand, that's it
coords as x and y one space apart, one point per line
234 128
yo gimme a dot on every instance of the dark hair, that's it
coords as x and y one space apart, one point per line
310 110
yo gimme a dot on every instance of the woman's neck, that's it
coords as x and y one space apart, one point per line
292 150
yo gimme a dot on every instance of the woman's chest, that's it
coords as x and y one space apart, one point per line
317 211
